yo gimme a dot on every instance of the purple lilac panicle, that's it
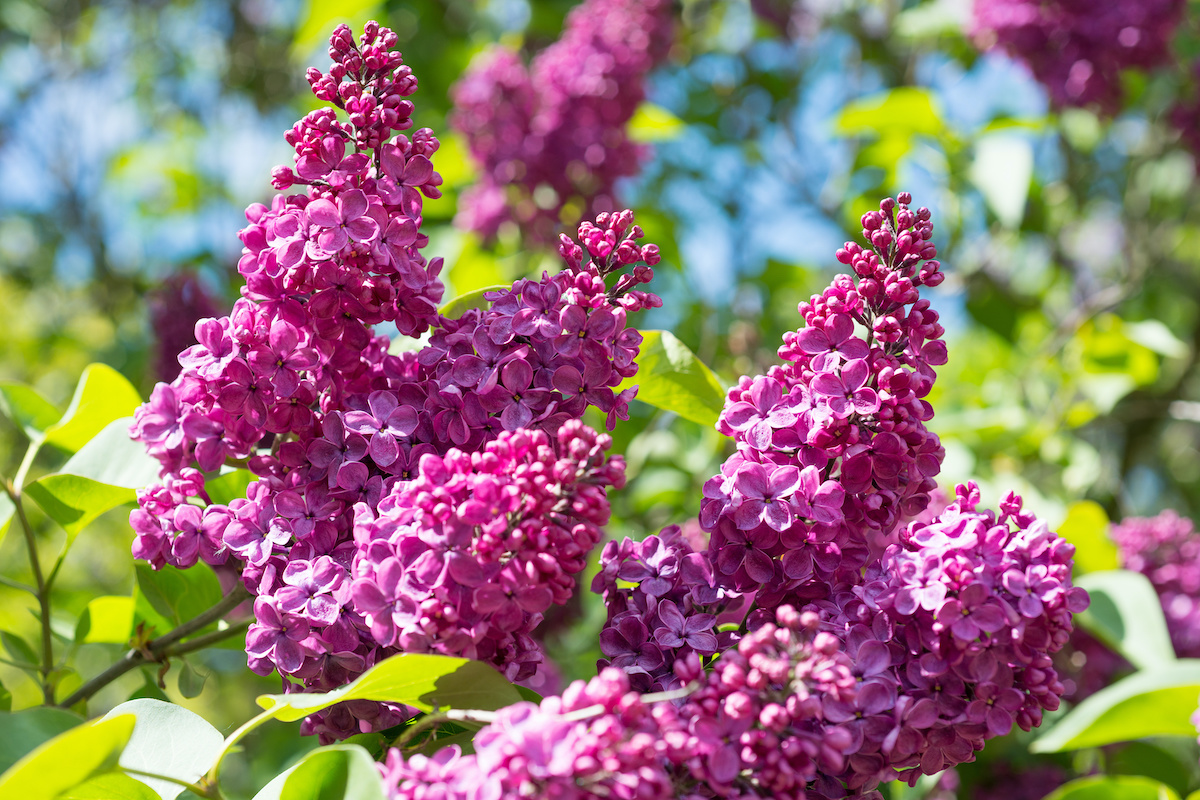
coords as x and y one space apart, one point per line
551 137
1166 549
372 524
1078 48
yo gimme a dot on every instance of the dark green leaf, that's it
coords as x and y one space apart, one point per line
28 410
338 772
670 377
1148 703
179 594
424 681
111 786
1113 787
19 649
229 486
5 701
112 458
74 502
25 730
1125 612
191 680
168 740
460 305
68 760
102 395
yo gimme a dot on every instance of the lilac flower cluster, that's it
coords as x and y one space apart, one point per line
598 740
832 446
946 618
1166 549
551 137
436 501
1077 49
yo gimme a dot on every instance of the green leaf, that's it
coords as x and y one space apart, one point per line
1002 171
179 594
74 501
191 680
1148 703
19 649
112 458
651 123
27 409
670 377
111 786
25 730
168 740
421 680
106 620
337 772
67 760
7 510
229 486
103 395
1086 527
1126 613
5 701
905 111
460 305
1113 787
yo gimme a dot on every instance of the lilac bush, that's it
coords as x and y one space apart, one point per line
551 137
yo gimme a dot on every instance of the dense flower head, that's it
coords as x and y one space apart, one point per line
1166 549
437 500
551 137
832 448
1078 48
598 740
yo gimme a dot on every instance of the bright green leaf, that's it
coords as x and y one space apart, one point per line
670 377
74 501
1154 335
103 395
906 110
1113 787
109 620
27 409
465 302
1086 527
112 458
1002 171
424 681
111 786
179 594
229 486
651 123
933 19
1126 613
67 760
23 731
168 740
320 17
1148 703
7 511
19 649
337 772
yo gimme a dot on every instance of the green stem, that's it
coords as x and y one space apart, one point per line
201 789
234 738
168 645
43 588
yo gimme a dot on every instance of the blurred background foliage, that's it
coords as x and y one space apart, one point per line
133 134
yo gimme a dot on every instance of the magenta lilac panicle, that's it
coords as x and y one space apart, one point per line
551 138
436 501
1166 549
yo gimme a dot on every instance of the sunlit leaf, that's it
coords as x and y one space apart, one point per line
1113 787
906 109
67 760
111 786
27 409
423 681
102 396
652 123
112 458
74 501
455 308
1148 703
168 740
1002 171
106 620
337 772
1126 613
1086 527
670 377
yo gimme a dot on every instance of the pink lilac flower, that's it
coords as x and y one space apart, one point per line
1078 49
551 138
1166 549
